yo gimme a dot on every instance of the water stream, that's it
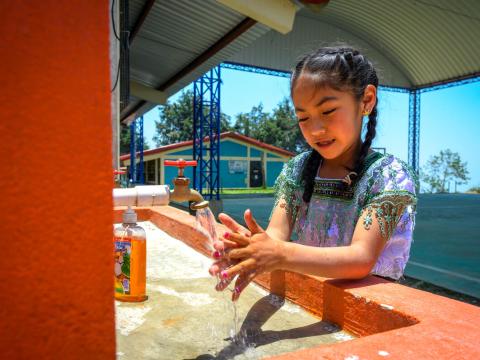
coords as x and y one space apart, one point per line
207 224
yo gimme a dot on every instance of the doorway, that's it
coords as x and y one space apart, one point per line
256 174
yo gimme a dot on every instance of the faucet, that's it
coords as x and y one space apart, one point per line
153 195
181 192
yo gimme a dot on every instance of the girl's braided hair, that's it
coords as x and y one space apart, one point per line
342 69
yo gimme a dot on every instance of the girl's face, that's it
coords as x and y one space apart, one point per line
330 120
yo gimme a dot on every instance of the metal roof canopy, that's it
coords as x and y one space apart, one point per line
414 43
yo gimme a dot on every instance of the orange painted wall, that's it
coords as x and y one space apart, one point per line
56 290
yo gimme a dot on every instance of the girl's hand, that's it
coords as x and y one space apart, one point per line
255 254
221 247
233 226
224 246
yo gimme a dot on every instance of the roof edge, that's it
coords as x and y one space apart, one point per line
227 134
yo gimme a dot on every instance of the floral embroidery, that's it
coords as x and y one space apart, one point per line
288 185
367 220
335 188
388 208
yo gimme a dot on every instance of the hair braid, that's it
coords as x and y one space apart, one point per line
370 135
371 128
308 174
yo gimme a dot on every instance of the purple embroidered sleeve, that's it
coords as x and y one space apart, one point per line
391 198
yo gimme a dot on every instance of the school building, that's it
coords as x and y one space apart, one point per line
244 162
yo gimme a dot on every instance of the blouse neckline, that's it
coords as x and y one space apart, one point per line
369 160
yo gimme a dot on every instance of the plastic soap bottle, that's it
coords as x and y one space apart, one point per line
130 259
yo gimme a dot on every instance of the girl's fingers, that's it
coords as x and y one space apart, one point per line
223 284
218 245
223 245
214 270
239 239
239 254
251 222
218 266
232 224
241 283
242 266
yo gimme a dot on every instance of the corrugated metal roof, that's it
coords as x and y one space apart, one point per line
174 34
177 32
282 52
414 43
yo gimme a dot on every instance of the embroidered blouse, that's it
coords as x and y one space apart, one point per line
386 189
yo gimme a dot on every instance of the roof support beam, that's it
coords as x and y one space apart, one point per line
276 14
211 51
147 93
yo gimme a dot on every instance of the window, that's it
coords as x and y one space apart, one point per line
150 172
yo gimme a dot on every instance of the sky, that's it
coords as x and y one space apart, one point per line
449 118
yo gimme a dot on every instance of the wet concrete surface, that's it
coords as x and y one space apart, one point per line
185 318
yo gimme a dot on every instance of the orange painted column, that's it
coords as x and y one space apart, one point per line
56 289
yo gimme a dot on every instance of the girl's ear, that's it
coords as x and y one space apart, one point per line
369 99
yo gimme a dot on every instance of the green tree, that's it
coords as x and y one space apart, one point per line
242 124
280 128
175 122
289 136
125 140
475 189
443 168
249 124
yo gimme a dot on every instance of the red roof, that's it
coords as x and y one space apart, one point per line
229 134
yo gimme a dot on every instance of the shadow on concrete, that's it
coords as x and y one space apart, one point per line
251 334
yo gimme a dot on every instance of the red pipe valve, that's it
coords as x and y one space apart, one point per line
181 164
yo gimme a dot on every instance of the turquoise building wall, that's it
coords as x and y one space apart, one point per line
273 170
229 179
231 148
233 164
255 153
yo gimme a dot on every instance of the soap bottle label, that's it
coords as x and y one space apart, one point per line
123 251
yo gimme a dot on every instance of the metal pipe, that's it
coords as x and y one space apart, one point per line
159 195
148 195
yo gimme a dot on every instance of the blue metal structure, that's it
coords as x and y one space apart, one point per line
140 142
393 89
414 115
450 83
136 174
414 129
206 126
255 69
132 173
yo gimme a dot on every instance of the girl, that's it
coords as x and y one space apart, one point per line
352 208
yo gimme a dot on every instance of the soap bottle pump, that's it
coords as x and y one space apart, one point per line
130 259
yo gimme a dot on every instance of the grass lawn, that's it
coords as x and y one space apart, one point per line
247 191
